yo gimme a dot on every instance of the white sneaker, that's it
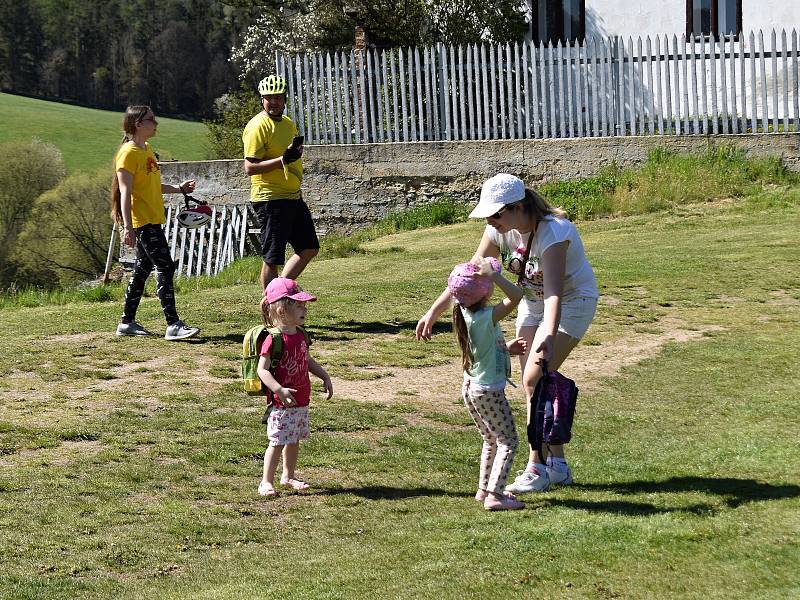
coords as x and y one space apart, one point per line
180 331
132 329
559 477
529 481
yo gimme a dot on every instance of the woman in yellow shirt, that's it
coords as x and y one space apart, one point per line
138 203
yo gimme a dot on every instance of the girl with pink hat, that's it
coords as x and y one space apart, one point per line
487 367
540 245
283 308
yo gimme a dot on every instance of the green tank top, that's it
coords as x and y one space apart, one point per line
491 365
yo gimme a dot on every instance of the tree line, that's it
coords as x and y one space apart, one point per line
172 54
179 56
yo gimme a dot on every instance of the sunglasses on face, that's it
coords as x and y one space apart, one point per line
500 212
150 119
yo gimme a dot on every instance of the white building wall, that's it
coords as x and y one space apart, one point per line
635 17
653 17
770 14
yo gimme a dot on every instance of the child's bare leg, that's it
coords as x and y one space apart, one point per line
290 452
271 458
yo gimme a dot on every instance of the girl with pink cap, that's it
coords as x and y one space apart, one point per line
540 245
284 307
487 367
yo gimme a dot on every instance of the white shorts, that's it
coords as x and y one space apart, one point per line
576 315
287 425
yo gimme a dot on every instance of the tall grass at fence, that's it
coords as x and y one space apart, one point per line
440 212
667 180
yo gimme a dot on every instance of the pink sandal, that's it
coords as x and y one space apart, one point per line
297 485
504 502
266 489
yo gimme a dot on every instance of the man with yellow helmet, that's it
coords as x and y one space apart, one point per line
273 159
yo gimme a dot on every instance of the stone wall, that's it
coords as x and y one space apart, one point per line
348 186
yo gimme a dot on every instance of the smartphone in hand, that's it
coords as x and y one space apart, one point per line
297 142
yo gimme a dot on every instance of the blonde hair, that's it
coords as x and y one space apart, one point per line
272 313
462 334
537 207
133 117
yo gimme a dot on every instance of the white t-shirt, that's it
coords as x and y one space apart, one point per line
579 278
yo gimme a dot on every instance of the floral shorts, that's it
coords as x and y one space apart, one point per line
287 425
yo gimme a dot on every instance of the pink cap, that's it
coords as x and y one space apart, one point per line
466 287
282 287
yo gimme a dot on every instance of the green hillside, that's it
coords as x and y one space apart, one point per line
89 137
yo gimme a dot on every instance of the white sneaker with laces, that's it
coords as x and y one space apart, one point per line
180 331
132 329
559 477
529 481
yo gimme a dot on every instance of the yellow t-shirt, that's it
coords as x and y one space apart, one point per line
147 203
265 138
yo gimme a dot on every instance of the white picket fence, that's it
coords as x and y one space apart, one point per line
208 249
601 87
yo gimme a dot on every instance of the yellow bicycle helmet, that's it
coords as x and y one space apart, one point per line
273 84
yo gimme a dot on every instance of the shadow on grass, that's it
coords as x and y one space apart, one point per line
236 337
733 493
382 492
334 332
370 328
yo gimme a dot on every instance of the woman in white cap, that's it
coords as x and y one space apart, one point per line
560 295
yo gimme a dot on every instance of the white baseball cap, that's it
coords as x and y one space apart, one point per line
497 192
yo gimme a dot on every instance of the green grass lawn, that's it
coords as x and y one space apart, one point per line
87 137
129 467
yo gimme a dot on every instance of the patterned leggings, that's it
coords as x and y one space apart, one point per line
492 415
152 250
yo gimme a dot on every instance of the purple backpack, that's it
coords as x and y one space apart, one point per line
552 410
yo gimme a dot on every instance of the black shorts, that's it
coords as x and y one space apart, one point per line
284 222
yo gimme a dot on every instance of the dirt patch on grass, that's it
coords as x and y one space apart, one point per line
782 298
187 368
440 386
72 338
61 456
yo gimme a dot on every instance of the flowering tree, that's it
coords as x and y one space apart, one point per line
279 31
327 25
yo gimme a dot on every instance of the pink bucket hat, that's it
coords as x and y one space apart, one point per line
466 287
282 287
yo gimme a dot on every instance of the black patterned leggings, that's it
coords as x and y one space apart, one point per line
151 251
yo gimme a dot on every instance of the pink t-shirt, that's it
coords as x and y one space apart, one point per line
292 371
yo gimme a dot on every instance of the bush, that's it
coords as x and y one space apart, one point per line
27 170
233 111
66 237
